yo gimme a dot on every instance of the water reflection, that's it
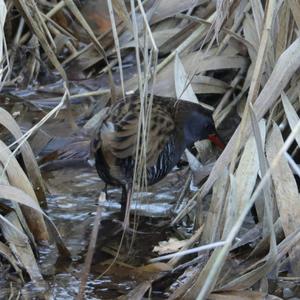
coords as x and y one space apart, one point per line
73 194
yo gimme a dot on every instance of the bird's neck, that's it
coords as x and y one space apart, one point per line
190 127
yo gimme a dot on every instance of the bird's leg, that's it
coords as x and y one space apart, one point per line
254 214
105 190
123 202
125 205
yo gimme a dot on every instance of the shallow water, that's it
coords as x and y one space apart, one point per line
72 202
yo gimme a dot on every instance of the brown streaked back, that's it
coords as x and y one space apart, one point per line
119 130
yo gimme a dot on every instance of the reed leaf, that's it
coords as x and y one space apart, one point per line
286 191
31 165
18 178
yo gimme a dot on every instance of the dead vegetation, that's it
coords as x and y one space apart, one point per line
66 60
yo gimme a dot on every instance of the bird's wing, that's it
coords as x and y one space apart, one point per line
161 127
119 132
96 134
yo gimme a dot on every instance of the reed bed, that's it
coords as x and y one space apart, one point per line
241 59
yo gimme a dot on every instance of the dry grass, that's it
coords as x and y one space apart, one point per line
239 58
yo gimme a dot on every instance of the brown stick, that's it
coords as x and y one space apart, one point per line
91 249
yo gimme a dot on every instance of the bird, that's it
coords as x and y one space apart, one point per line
174 126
